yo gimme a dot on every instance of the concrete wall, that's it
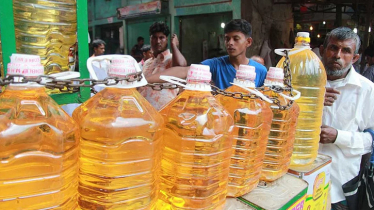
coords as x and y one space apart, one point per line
105 9
269 22
198 28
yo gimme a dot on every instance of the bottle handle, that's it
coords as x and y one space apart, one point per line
174 80
107 57
281 53
256 92
294 98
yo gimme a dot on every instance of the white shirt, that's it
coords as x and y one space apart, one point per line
316 51
350 114
157 98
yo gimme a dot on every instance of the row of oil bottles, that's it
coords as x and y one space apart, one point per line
191 155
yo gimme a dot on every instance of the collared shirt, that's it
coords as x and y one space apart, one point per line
350 114
151 66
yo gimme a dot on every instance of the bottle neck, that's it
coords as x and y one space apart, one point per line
270 82
245 83
26 90
198 86
301 42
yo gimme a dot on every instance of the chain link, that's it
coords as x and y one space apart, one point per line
161 86
236 95
287 72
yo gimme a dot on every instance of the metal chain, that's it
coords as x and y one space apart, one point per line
73 85
161 86
239 95
287 72
236 95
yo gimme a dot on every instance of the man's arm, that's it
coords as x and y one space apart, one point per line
351 143
178 71
177 59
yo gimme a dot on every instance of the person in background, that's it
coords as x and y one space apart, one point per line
136 51
369 57
348 111
100 68
162 59
258 59
98 47
357 65
147 54
237 40
315 45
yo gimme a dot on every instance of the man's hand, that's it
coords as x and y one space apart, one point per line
330 96
328 134
175 41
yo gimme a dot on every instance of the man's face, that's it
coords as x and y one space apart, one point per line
369 60
147 55
99 50
141 42
339 56
159 42
237 43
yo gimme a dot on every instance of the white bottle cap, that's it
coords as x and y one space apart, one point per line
27 65
199 73
120 67
246 72
303 34
275 76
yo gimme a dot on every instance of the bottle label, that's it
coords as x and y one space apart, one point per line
120 67
27 65
199 73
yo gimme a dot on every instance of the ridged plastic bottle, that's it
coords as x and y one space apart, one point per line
309 77
120 147
197 149
252 120
46 28
282 132
38 145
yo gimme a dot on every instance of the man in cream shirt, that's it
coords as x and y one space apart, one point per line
348 111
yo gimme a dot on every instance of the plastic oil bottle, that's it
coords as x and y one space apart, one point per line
197 148
46 28
1 59
120 146
282 132
252 120
38 145
309 77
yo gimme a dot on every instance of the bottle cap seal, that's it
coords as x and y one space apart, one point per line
275 76
246 72
120 67
27 65
199 73
303 34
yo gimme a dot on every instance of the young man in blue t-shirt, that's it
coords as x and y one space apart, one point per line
237 39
